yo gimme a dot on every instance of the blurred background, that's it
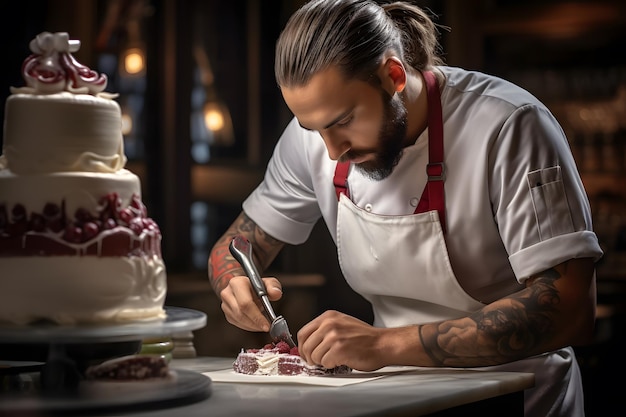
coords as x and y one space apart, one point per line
202 113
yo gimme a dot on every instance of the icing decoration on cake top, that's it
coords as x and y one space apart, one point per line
51 68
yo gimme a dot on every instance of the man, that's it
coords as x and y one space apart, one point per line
452 196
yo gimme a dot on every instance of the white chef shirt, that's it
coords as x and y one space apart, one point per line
515 203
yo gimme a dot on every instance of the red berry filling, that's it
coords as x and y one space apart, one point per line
280 347
52 232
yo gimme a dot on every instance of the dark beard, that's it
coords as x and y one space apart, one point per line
391 138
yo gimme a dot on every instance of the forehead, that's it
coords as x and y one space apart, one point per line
326 96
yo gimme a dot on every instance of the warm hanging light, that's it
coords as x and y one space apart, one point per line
134 61
215 112
213 117
133 57
217 121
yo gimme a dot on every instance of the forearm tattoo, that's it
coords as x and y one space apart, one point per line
222 265
508 329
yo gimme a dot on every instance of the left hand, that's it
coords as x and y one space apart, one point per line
335 339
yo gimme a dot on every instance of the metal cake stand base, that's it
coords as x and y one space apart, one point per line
56 382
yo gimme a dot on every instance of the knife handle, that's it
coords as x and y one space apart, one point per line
241 249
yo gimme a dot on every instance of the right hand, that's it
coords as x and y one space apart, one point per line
242 307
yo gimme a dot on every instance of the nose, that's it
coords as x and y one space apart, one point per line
335 145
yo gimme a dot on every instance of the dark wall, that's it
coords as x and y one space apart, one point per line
20 22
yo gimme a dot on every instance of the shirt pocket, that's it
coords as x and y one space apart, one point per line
550 202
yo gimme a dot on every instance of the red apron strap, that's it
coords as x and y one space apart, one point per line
341 179
433 197
435 168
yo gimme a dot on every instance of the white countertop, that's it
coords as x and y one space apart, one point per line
418 391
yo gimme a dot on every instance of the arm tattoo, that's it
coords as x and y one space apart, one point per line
506 330
222 265
265 246
222 268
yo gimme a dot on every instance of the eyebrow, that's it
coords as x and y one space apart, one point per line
334 121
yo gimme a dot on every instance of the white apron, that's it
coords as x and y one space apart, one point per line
400 264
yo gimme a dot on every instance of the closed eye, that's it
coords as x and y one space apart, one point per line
345 121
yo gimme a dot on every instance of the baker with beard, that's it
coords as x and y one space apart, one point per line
452 196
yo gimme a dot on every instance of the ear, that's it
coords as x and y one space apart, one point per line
394 74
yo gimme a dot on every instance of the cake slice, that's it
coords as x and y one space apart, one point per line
130 368
280 359
128 375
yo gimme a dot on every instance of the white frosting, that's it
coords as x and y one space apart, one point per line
62 132
85 289
47 42
77 190
268 364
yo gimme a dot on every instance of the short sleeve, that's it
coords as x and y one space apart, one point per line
284 204
540 204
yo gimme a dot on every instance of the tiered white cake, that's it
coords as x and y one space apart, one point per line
76 245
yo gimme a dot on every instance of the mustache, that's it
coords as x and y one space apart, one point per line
352 154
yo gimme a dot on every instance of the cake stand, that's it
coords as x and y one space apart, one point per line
56 380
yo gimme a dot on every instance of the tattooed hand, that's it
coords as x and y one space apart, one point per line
240 305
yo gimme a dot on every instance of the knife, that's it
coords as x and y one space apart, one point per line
241 249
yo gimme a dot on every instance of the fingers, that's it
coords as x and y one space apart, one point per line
242 307
318 337
335 339
274 289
